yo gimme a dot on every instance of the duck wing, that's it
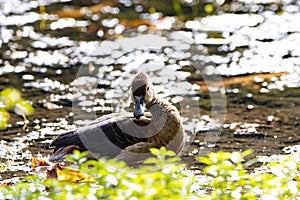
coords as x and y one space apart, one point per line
106 136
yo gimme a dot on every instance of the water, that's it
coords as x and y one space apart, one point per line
253 45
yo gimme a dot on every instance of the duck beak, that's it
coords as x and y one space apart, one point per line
139 107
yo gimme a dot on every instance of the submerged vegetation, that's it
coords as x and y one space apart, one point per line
164 177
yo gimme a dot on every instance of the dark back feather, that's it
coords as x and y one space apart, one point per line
104 137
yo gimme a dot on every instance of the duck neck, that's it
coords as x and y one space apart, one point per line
162 105
155 100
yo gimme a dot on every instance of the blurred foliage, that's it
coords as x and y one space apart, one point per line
4 118
164 179
277 179
114 180
187 8
11 100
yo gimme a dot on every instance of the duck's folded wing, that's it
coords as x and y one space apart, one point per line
72 137
66 143
67 139
104 137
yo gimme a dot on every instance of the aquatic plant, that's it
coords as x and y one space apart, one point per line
114 180
165 178
11 100
278 179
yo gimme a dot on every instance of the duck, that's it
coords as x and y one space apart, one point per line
155 123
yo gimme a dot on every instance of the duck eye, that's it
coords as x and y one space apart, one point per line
147 88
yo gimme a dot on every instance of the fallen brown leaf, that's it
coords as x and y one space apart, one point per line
61 173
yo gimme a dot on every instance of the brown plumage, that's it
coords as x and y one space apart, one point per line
127 138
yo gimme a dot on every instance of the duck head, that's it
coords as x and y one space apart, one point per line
142 94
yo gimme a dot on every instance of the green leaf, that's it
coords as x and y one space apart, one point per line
10 96
152 161
155 151
205 160
23 107
4 118
170 153
247 152
209 8
173 160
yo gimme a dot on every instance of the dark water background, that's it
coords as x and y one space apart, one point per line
253 45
